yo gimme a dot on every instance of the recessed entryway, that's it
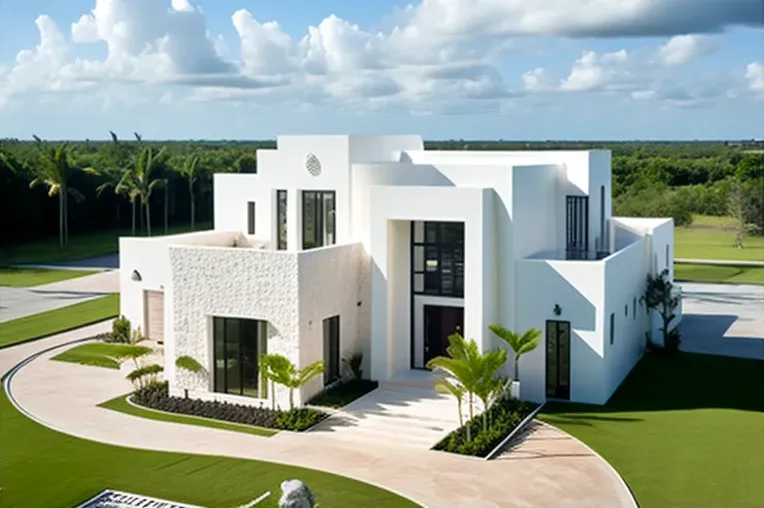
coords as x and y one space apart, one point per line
439 323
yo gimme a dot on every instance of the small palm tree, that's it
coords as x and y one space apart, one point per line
279 370
520 344
449 386
138 181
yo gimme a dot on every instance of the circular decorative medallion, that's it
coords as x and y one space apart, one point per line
312 164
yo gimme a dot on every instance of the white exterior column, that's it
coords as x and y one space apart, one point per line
380 335
294 219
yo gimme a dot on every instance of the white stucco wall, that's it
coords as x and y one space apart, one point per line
625 273
333 281
578 288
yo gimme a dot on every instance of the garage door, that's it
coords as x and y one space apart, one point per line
154 329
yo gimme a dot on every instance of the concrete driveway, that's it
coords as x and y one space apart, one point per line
723 319
20 302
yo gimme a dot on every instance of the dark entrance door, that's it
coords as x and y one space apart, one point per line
439 323
558 359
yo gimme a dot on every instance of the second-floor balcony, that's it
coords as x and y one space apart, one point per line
574 254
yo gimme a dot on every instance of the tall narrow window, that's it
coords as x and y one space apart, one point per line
603 235
331 349
668 259
634 308
318 219
281 219
251 218
577 227
612 328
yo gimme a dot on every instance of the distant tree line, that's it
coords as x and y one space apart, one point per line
143 187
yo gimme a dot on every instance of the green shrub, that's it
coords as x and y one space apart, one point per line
299 419
503 417
121 330
145 376
189 363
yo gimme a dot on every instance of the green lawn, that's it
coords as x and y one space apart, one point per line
30 277
684 431
98 354
121 405
704 243
719 273
80 246
59 320
41 467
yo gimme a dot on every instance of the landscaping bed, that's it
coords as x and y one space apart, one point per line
501 419
157 397
344 393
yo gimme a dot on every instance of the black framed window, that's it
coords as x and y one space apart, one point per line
634 308
331 349
668 258
577 227
251 218
437 258
612 328
281 219
318 219
237 347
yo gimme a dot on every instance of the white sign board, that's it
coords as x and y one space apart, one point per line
116 499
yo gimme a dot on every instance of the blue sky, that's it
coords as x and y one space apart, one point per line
488 69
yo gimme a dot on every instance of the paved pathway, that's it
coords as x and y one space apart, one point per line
64 397
719 262
723 319
19 302
105 262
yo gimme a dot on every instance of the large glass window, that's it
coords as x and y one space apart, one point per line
281 219
237 347
251 218
318 219
437 258
331 349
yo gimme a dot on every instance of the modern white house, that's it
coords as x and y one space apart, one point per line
344 244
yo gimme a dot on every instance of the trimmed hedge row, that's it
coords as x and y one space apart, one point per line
157 397
503 417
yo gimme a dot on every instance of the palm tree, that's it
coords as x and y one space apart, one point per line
53 170
476 372
449 386
278 369
138 181
191 170
520 344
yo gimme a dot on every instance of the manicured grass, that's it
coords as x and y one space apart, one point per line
59 320
684 431
40 467
98 354
30 277
712 221
719 273
80 246
121 405
343 394
705 243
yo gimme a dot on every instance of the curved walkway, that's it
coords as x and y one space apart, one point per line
538 473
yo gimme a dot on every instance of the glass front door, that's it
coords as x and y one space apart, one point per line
558 359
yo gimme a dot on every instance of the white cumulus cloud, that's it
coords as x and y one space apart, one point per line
681 49
754 72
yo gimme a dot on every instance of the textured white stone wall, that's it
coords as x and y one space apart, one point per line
243 283
333 281
293 291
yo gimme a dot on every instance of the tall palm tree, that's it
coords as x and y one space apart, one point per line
54 169
191 170
450 386
280 370
138 182
520 344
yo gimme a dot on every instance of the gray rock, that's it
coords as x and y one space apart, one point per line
295 494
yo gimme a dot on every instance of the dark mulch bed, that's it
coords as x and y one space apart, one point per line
298 419
344 393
